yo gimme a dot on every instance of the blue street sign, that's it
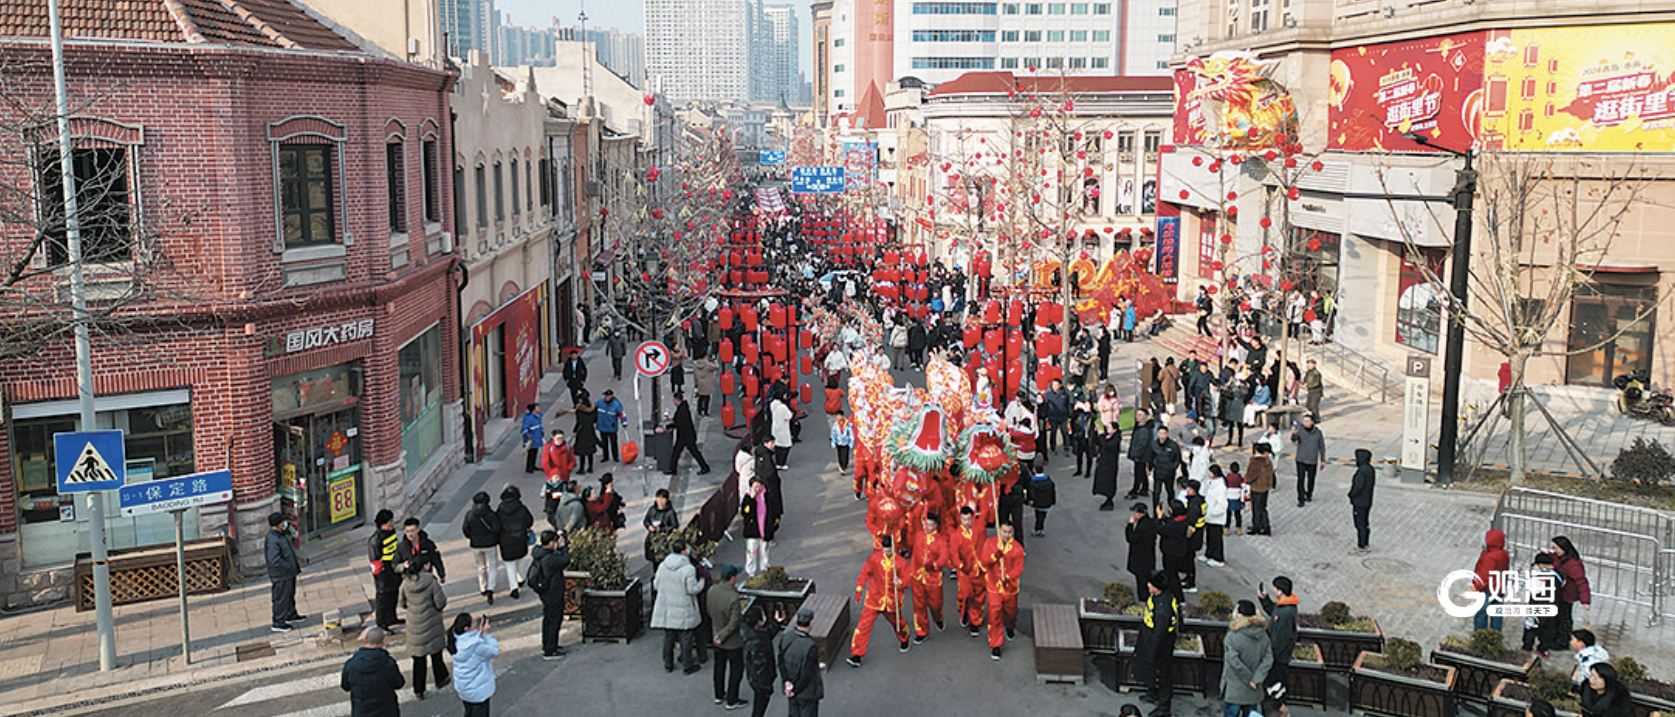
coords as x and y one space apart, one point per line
817 180
176 493
771 156
89 461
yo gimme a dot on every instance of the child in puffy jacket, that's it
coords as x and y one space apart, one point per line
1040 494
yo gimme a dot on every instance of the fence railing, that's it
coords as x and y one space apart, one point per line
1364 373
1629 551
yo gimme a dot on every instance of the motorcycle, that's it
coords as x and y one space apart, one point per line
1636 398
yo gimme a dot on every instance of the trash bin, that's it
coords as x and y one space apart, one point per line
660 446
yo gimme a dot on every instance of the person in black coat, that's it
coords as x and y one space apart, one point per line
686 437
1155 652
1361 496
768 471
516 526
916 342
575 374
760 668
1604 695
1105 471
283 569
1142 546
1166 462
1140 444
482 530
371 677
1174 542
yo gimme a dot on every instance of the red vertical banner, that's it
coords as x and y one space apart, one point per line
1189 112
523 346
1206 246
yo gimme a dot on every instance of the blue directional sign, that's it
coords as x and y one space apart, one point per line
771 156
90 461
176 493
817 180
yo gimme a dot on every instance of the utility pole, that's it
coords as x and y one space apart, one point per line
1465 190
106 624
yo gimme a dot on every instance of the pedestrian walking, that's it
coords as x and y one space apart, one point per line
964 544
575 374
1141 532
1166 465
1311 450
1282 636
426 635
931 555
416 548
482 530
371 677
1361 496
1260 478
760 667
1105 472
1575 589
1248 659
1140 444
1315 387
386 576
799 667
686 437
546 578
843 441
661 519
586 432
283 569
618 348
726 612
1215 518
1040 495
517 534
608 420
1155 652
1003 571
676 610
531 430
474 652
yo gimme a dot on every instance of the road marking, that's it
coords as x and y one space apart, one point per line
285 689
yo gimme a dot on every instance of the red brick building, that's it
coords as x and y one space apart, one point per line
303 333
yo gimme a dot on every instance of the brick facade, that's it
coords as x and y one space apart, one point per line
206 181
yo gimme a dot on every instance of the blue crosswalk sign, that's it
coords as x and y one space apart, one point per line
89 461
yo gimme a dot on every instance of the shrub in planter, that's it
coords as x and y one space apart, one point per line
1482 661
1216 604
1649 695
1305 679
1341 635
1118 595
1511 698
1101 618
612 605
1208 620
774 589
664 543
1399 683
1645 463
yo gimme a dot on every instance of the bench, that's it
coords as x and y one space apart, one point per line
1058 644
830 628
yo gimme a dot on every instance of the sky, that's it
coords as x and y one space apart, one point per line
629 16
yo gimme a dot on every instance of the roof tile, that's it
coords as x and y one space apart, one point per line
153 21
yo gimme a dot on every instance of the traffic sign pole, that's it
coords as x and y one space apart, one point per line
180 579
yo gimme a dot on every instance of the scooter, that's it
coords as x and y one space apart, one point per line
1638 399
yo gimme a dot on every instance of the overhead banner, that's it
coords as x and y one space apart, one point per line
1431 87
1581 89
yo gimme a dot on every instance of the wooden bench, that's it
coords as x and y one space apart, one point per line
830 628
1058 644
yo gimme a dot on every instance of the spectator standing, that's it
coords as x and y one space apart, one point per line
1215 518
1361 497
1488 577
572 510
1174 542
283 569
1575 588
1249 657
706 381
1260 479
1236 497
1040 495
781 429
531 430
758 526
1542 633
1311 449
482 530
726 613
586 432
557 462
1166 465
1105 472
1282 635
676 609
517 533
1155 653
799 667
1141 532
760 668
371 678
426 635
618 348
1604 695
686 437
546 578
607 422
1315 387
474 652
604 511
1588 653
1140 444
1056 409
661 518
416 547
386 576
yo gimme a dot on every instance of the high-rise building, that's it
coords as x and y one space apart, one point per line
773 62
523 46
699 49
469 25
821 11
622 52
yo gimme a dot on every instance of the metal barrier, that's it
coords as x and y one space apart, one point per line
1623 546
1370 374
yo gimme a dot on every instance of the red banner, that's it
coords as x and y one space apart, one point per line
1432 87
1189 114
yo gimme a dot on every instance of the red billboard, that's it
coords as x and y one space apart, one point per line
1432 87
1189 112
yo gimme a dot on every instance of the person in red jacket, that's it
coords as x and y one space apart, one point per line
930 556
557 461
1490 578
963 543
879 589
1003 567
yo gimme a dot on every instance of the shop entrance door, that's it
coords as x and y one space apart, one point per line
320 470
495 356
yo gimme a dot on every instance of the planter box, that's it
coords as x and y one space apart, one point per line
1058 644
1211 631
1191 671
830 628
148 573
790 599
575 582
613 615
1341 649
1100 629
1381 693
1305 681
1502 706
1478 677
1645 705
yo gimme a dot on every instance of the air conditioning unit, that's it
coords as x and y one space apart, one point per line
592 189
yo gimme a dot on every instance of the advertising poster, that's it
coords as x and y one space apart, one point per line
1431 87
523 365
1168 247
1596 89
1189 111
1207 246
860 162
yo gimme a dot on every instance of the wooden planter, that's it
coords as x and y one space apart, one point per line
1191 672
1503 706
148 573
1305 680
1477 677
1211 631
1381 693
613 615
575 581
1100 629
790 599
1645 705
1340 649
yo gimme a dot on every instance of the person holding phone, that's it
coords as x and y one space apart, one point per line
474 652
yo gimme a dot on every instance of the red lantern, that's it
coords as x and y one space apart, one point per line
1317 165
726 382
808 365
750 320
1285 284
991 312
1244 306
1233 211
1314 245
807 339
649 100
1265 222
726 353
972 336
727 414
1211 289
1227 238
1309 315
807 391
750 384
1216 265
1232 196
725 318
1197 161
1015 313
1294 194
991 341
1185 194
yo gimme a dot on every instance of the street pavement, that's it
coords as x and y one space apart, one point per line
1419 534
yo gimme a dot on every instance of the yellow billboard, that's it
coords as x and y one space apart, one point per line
1605 88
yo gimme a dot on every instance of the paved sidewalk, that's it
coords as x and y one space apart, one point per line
51 656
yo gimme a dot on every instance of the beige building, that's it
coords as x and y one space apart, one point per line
1580 86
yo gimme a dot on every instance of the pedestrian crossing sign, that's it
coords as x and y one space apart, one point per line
89 461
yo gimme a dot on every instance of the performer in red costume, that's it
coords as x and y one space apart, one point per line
1003 566
963 543
879 590
930 556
